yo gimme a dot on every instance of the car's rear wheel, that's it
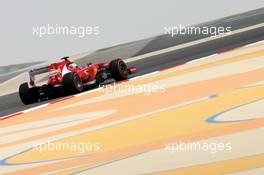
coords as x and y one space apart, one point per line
118 69
28 95
72 83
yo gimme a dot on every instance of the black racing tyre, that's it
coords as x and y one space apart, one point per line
28 95
118 69
72 83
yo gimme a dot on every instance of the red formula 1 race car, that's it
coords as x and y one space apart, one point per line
65 78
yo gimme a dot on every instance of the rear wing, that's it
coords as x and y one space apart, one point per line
32 73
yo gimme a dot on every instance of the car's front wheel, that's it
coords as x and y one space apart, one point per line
118 69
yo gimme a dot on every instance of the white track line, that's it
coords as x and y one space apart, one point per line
203 58
256 43
35 108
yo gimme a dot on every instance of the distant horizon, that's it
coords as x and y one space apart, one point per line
122 25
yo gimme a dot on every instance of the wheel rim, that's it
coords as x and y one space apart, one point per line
78 83
123 68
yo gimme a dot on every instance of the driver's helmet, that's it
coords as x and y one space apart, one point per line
73 64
